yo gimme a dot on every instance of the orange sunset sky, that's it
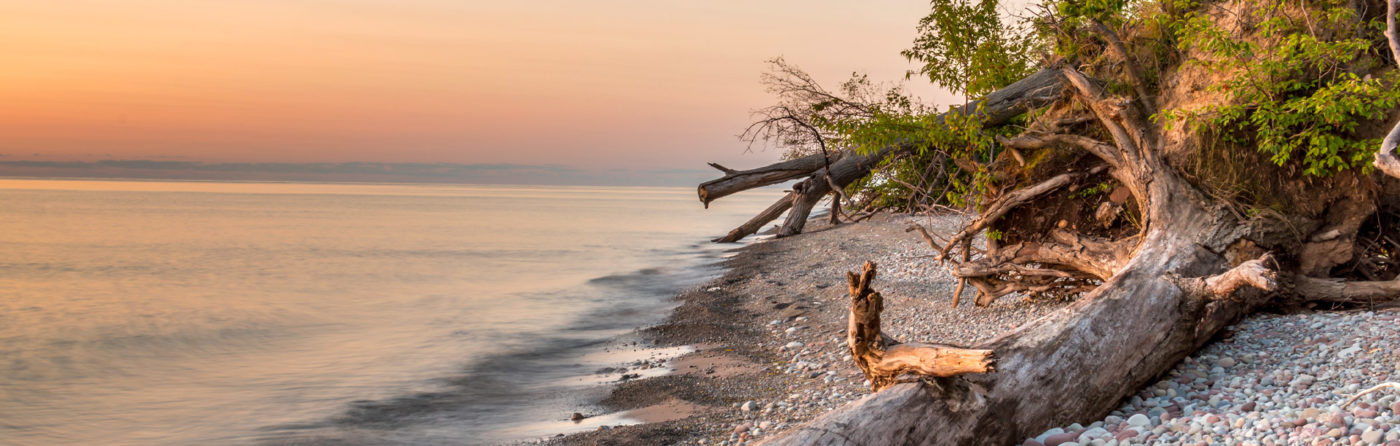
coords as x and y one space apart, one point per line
632 84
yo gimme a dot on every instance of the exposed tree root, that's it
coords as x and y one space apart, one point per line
1011 201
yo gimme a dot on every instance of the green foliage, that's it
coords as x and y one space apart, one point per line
965 48
1299 87
955 135
1090 191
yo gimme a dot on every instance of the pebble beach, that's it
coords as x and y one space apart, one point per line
769 355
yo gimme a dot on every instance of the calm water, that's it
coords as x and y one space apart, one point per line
227 313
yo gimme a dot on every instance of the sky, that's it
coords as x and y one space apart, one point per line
589 86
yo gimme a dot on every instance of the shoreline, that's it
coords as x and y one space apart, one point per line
768 335
769 355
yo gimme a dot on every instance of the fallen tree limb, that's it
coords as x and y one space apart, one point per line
1314 289
883 366
808 192
1036 90
740 180
756 223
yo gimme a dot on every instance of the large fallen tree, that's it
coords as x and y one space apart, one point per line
1117 210
1037 90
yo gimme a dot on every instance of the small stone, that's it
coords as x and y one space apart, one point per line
1053 431
1061 438
1226 362
741 428
1348 352
1336 433
576 417
749 406
794 345
1336 420
1248 407
765 425
1032 442
1371 436
1139 420
1126 434
1093 434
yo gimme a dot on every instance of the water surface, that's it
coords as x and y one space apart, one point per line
246 313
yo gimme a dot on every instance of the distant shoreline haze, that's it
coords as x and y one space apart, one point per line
485 173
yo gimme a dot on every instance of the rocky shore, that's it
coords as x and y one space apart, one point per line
769 355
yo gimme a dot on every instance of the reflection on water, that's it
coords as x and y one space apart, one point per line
178 313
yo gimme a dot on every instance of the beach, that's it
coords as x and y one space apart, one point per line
769 336
769 354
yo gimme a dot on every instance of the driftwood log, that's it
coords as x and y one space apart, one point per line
883 363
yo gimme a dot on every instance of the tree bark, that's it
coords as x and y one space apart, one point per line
1073 365
808 192
756 223
741 180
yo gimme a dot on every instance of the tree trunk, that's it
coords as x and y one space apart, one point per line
741 180
1077 364
756 223
1080 362
808 192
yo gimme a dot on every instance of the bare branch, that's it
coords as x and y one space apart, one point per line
1372 389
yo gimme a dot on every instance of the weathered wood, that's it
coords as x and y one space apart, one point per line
756 223
1071 366
1254 273
883 366
741 180
807 193
1314 289
1386 162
